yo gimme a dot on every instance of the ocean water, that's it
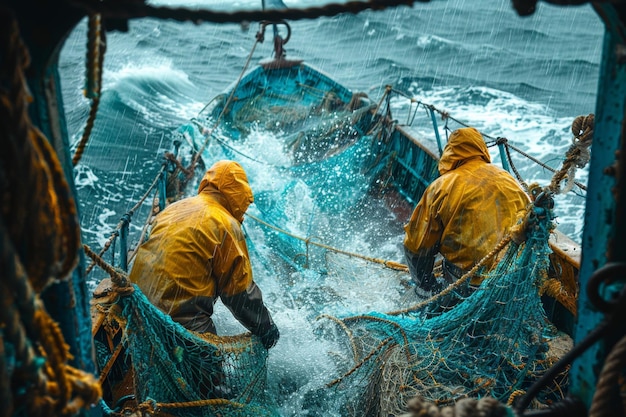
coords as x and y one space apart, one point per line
525 79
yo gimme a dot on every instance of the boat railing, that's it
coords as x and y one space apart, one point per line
581 128
410 163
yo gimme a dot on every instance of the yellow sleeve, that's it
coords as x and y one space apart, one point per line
424 229
231 263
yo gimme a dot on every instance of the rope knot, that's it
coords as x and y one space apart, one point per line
582 126
149 406
501 141
577 156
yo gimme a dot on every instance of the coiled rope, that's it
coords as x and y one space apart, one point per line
40 238
466 407
602 404
577 155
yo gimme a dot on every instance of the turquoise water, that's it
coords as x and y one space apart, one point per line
521 78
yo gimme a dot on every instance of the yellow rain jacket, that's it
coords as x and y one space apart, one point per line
197 252
465 212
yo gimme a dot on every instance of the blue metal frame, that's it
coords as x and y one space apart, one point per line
601 214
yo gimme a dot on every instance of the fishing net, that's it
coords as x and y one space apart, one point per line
495 342
159 366
341 170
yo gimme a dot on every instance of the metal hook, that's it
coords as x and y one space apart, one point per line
608 274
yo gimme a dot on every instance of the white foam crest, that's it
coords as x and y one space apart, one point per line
84 177
424 41
504 115
533 128
145 69
167 100
102 227
268 147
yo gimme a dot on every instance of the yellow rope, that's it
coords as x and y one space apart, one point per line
95 57
118 277
359 365
555 289
151 407
505 241
602 403
388 264
40 245
514 395
201 403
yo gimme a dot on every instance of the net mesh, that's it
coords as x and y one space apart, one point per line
495 343
178 372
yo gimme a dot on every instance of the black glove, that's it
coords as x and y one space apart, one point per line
270 337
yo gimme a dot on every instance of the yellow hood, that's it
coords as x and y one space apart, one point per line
464 144
228 179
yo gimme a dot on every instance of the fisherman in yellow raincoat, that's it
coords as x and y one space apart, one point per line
197 253
462 215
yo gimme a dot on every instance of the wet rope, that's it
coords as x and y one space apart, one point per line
118 278
577 155
139 9
342 325
465 407
96 46
388 264
146 225
200 403
16 324
126 218
208 133
40 238
603 404
42 198
360 364
505 142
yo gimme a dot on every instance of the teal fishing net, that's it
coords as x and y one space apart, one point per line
495 343
177 372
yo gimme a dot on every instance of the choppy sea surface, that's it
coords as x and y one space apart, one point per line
525 79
